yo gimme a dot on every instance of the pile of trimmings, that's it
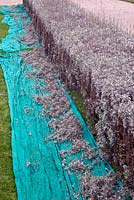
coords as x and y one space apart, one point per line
99 188
65 126
28 37
79 144
56 103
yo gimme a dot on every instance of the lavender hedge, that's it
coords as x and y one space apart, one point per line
96 58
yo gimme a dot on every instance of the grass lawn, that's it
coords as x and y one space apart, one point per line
7 183
3 27
79 101
130 1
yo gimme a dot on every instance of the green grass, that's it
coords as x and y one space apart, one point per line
3 53
130 1
7 181
79 101
3 27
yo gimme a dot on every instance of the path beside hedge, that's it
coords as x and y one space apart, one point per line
10 2
122 12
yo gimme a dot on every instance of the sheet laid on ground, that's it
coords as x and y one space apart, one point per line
47 162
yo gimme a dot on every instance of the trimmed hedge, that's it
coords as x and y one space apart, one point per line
96 58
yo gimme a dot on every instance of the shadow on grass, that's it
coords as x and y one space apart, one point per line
79 101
